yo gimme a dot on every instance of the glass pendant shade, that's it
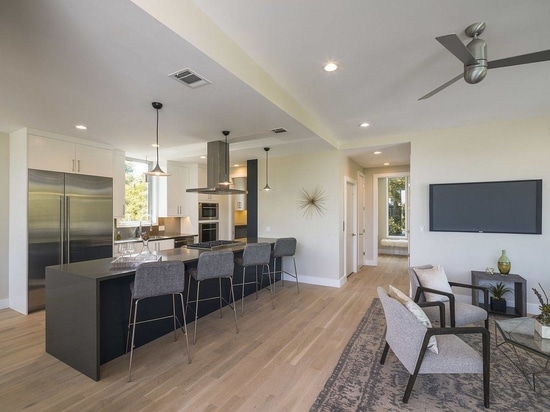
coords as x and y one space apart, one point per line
157 171
266 187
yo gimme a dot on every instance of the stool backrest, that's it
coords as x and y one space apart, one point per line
256 254
159 278
285 246
215 264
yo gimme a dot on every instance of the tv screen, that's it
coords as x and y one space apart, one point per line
487 207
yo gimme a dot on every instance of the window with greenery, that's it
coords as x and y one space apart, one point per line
137 192
397 199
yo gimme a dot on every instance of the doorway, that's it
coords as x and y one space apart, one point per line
391 209
350 226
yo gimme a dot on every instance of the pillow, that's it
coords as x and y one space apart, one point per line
434 278
416 311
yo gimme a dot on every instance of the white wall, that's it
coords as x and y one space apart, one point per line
318 254
4 218
504 151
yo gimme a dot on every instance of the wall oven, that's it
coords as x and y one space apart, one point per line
208 231
208 211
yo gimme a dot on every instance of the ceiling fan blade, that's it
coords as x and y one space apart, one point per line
452 43
541 56
460 76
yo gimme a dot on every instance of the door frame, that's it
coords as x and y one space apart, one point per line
375 211
348 181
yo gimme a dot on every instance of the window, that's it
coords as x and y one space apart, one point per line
137 191
396 206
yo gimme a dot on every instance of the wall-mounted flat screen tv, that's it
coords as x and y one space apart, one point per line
487 207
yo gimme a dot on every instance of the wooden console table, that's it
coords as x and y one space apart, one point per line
480 278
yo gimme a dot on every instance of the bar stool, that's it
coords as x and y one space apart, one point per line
213 265
156 279
284 247
255 254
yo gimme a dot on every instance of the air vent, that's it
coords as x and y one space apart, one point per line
189 78
279 130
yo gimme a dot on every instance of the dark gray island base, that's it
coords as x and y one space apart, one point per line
87 305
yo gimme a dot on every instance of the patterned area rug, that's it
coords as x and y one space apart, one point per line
360 383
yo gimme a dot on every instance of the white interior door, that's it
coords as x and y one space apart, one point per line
361 207
350 227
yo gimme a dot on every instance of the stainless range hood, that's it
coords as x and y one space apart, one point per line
217 171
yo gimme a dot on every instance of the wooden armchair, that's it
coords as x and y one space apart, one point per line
457 313
408 338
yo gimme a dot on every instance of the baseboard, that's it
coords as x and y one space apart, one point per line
313 280
4 303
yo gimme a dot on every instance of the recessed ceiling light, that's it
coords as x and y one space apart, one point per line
202 157
330 67
364 124
155 145
81 127
386 164
377 152
236 165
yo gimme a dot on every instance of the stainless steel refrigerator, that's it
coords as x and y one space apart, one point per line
70 219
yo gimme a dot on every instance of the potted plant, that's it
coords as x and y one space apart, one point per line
542 320
498 290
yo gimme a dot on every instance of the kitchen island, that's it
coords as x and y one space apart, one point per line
87 306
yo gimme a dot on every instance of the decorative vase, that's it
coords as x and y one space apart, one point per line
504 264
498 305
542 330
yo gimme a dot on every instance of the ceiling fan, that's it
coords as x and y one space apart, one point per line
474 57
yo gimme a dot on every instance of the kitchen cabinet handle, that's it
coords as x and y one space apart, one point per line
73 166
78 165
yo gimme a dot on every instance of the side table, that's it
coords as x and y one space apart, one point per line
480 278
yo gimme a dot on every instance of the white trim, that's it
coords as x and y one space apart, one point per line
349 181
4 303
313 280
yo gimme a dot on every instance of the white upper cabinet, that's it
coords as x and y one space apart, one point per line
60 155
240 200
119 183
177 184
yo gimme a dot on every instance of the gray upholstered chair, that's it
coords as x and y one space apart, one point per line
254 255
457 313
213 265
284 247
157 279
408 339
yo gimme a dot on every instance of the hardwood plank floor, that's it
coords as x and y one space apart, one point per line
279 361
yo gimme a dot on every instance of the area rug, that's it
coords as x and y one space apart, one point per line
360 383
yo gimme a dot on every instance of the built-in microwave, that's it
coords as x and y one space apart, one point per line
208 211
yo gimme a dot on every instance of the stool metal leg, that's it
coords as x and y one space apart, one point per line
129 322
132 345
233 306
242 290
196 311
220 287
185 329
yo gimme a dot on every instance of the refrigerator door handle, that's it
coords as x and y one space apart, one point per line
61 228
68 226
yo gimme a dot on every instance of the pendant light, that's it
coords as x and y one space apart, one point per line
157 171
226 179
266 187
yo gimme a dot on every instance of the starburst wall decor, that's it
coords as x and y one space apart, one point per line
312 201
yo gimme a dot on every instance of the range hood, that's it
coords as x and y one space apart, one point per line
217 171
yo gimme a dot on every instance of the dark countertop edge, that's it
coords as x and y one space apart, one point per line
100 269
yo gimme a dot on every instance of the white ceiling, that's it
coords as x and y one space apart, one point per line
102 63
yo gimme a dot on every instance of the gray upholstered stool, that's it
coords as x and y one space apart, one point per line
157 279
255 254
284 247
213 265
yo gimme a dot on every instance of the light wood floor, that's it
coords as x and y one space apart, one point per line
279 361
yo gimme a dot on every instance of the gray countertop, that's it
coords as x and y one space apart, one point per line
155 238
101 269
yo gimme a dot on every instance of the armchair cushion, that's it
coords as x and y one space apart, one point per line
417 312
434 278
